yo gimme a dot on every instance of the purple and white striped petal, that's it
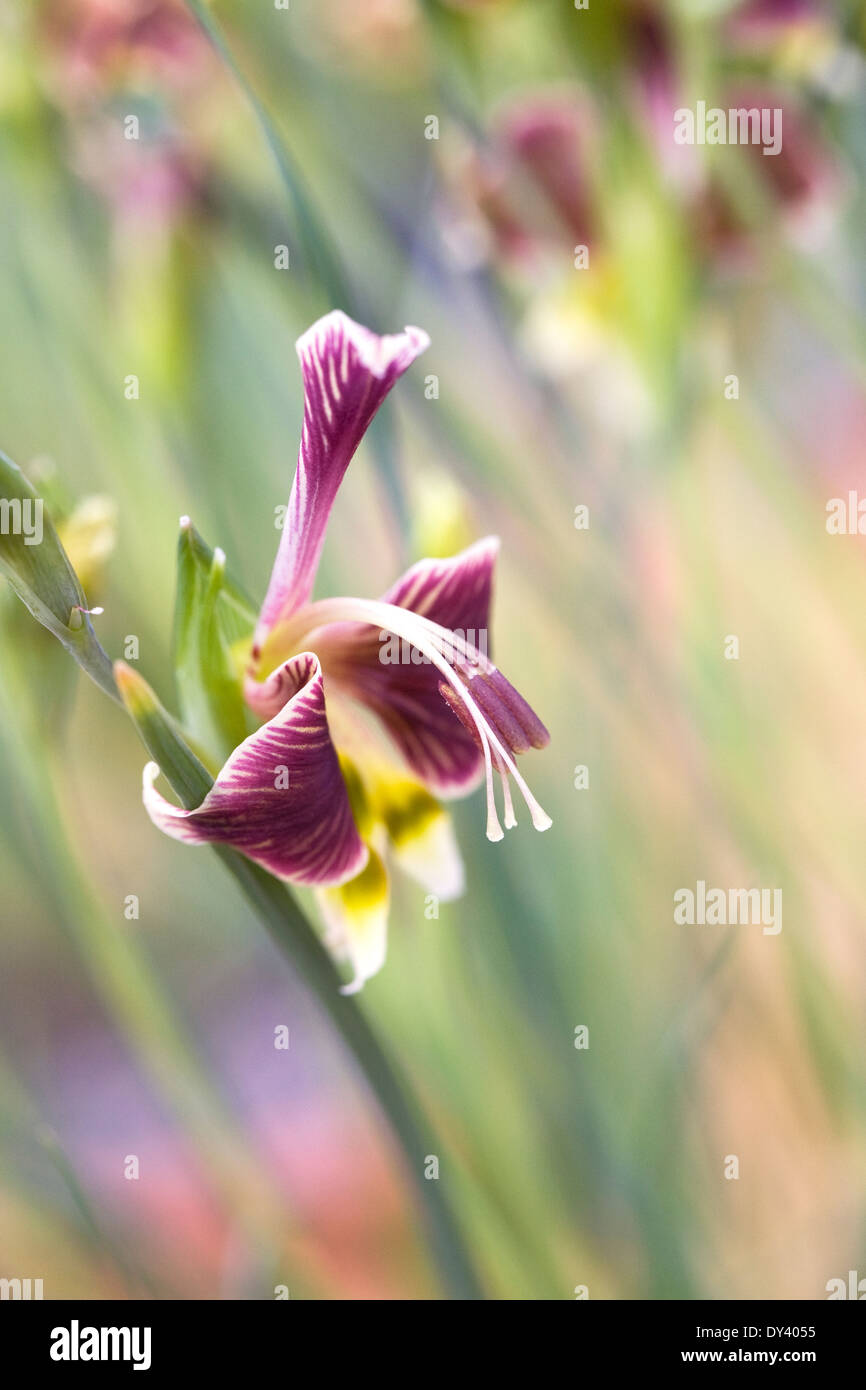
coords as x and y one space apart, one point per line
280 798
403 690
347 372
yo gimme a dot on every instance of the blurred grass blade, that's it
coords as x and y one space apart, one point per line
38 569
316 246
211 616
328 281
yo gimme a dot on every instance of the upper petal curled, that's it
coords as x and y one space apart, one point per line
280 798
347 372
403 690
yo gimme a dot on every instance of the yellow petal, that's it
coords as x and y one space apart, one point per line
433 859
422 836
356 918
88 535
359 801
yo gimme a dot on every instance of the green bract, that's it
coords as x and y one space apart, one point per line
162 737
37 567
212 616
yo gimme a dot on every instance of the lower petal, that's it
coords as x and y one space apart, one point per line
280 799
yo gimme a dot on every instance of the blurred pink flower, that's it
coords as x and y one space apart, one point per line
102 44
760 21
147 58
529 183
803 182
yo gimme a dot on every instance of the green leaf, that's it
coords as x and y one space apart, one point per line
163 738
212 616
317 247
38 569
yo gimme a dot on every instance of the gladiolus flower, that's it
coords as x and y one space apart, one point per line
531 183
316 794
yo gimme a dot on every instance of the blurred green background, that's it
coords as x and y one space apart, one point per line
606 386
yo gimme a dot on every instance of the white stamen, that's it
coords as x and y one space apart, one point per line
510 817
494 829
426 636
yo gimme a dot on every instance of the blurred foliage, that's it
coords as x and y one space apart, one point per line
156 260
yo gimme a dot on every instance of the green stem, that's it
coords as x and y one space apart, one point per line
132 995
296 939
